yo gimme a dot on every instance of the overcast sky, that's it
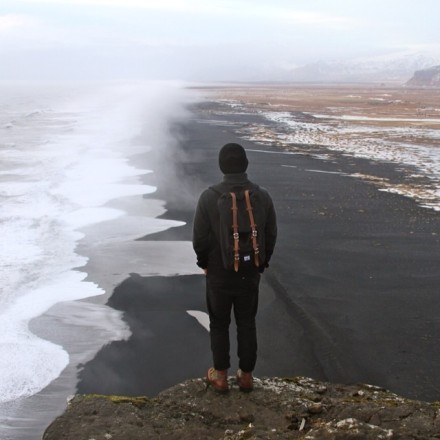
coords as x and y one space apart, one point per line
203 40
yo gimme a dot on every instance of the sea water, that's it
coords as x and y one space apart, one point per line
65 154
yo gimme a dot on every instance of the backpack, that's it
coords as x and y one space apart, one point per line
241 227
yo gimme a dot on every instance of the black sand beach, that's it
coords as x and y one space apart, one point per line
352 294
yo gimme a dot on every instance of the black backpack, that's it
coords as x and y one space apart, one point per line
242 224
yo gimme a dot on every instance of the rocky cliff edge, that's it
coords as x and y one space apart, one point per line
289 408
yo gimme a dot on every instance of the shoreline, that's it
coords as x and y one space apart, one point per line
80 328
349 296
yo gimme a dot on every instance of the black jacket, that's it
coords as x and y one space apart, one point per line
207 222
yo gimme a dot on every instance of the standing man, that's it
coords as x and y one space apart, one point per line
232 257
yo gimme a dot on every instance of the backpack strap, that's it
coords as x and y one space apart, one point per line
235 235
253 227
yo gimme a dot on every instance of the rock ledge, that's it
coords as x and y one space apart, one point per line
289 408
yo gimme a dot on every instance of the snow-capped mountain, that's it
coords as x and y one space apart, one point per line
396 68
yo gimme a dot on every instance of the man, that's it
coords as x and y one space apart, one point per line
232 287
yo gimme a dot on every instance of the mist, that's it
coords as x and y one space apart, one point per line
203 41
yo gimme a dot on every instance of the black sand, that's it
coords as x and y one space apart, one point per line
352 294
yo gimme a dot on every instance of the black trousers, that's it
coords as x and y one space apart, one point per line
227 290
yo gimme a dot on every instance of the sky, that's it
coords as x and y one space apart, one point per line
196 40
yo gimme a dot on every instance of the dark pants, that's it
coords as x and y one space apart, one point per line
226 290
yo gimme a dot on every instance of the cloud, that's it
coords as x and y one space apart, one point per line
195 6
199 38
11 22
313 18
215 8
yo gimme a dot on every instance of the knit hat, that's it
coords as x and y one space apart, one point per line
232 159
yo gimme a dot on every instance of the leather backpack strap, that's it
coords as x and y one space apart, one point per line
235 235
253 228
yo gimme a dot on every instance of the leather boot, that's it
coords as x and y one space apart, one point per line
245 381
218 379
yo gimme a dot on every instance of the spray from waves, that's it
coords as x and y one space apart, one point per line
64 154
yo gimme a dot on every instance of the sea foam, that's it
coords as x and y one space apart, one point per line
64 156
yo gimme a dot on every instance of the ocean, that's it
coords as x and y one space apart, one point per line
71 186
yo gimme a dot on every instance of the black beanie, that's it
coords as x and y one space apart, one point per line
232 159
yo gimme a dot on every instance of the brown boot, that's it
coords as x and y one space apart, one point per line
245 381
218 379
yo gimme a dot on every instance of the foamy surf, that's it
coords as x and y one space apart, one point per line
29 363
65 154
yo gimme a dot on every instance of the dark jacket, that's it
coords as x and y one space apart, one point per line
207 222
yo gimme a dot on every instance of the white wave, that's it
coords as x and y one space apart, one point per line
29 363
65 161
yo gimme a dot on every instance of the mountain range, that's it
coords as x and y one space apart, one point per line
396 68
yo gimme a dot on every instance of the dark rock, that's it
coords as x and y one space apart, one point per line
276 409
426 78
315 408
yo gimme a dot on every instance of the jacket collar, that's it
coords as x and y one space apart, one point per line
235 179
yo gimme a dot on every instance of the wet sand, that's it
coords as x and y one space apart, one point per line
352 294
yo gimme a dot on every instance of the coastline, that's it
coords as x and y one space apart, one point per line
350 295
78 329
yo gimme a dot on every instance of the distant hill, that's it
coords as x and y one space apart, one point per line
395 68
426 77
